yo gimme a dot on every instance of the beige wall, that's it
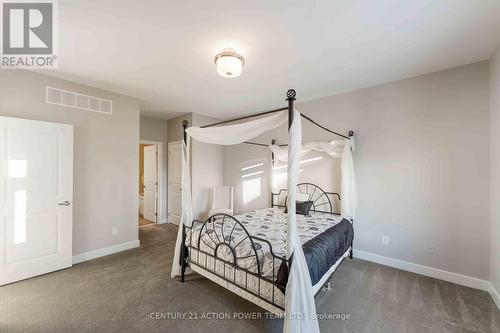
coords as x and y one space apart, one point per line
206 163
254 192
422 166
250 192
105 155
422 163
152 129
174 131
206 170
495 169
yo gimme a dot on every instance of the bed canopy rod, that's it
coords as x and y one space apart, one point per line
351 133
291 94
245 117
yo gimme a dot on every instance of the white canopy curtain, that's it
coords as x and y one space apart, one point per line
348 191
300 309
221 135
332 148
342 149
237 133
299 297
187 207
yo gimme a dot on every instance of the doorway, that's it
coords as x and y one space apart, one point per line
149 180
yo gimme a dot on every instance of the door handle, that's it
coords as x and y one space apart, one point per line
65 203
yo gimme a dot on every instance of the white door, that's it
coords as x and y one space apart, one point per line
150 183
174 183
36 196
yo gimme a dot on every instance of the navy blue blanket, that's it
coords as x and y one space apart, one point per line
323 251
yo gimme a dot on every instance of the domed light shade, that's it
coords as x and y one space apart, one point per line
229 63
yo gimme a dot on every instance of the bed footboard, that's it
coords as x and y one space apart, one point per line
222 248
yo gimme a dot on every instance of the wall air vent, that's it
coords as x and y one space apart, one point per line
78 101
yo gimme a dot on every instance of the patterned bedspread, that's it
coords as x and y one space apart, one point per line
269 224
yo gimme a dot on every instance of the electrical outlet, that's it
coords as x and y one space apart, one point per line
385 240
430 249
114 231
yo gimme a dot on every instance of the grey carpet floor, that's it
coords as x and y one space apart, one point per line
118 293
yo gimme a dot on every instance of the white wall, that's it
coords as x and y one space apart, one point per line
206 170
152 129
495 169
106 162
206 163
174 131
422 166
249 192
254 192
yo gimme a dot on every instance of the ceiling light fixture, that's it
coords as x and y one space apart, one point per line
229 63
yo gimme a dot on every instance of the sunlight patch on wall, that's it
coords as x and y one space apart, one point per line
250 189
301 162
252 174
252 166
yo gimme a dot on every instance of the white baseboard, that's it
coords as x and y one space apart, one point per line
436 273
163 220
494 294
105 251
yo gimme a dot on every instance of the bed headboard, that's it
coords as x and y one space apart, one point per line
323 202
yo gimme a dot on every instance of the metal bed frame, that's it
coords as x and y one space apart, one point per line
323 199
211 233
219 240
317 202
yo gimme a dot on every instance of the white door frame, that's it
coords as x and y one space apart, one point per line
160 204
168 185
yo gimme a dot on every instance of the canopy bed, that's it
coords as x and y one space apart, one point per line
278 257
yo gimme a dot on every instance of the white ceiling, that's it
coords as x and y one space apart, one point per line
162 51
